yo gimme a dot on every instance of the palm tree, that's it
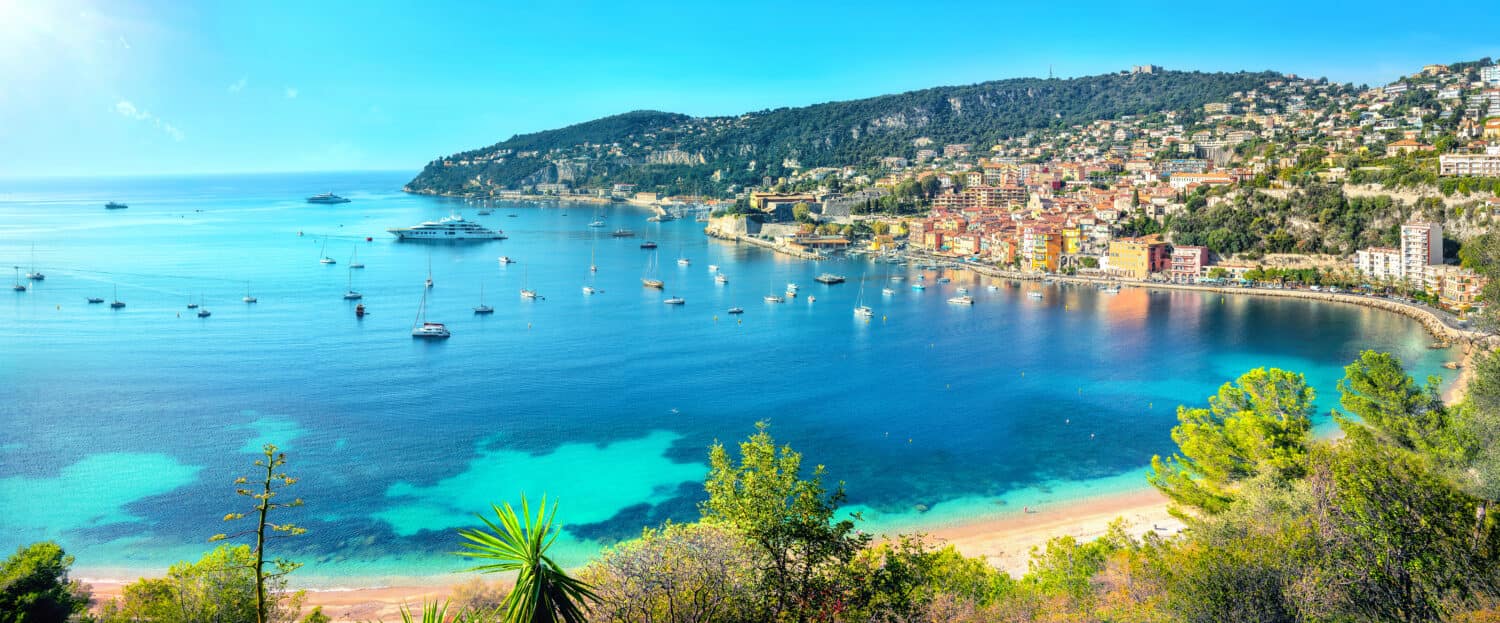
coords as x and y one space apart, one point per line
544 593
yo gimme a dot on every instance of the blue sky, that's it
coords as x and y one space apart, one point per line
117 87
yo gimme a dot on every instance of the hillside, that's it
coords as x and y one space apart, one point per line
671 152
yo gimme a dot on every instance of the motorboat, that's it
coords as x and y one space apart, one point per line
676 300
962 300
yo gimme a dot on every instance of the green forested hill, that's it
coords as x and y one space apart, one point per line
666 151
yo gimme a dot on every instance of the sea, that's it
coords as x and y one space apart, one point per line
122 430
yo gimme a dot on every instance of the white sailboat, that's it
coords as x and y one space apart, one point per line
18 287
482 308
526 292
354 259
116 303
423 329
34 275
860 309
429 269
350 294
203 311
324 253
248 298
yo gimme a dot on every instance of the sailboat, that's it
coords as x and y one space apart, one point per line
429 269
681 259
860 309
351 295
117 303
421 328
650 281
324 253
248 298
18 287
482 308
354 259
593 267
203 311
34 275
526 292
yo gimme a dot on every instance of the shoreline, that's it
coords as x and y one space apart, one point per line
1004 540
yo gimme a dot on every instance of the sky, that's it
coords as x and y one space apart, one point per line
120 87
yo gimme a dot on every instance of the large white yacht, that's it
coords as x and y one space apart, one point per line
449 228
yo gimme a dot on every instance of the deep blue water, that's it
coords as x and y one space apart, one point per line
123 429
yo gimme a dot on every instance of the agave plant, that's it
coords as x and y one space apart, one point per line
544 592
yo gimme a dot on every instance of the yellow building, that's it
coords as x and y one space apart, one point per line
1137 258
1046 251
1072 240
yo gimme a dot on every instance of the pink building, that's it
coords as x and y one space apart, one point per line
1188 263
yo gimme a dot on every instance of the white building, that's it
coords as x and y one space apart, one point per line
1421 246
1380 264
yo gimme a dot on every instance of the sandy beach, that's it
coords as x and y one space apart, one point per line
1004 541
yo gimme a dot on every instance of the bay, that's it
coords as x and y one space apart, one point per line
123 429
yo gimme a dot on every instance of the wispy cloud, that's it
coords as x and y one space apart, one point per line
291 93
129 111
239 85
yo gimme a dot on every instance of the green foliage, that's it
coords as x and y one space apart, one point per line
271 483
831 134
789 519
34 586
543 592
1396 539
1261 424
677 573
1377 389
220 588
317 616
901 579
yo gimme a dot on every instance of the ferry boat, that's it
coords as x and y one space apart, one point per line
326 198
830 278
962 300
115 206
448 228
676 300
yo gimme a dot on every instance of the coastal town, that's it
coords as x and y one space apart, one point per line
1100 200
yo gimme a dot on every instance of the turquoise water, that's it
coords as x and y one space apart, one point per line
125 428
